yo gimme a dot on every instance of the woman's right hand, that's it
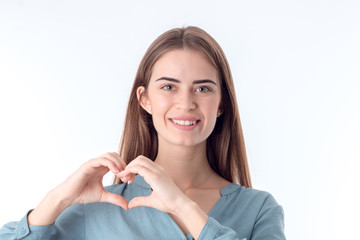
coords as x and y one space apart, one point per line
83 186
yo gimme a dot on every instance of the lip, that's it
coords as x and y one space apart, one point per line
184 118
183 127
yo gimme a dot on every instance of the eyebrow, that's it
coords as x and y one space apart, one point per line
194 82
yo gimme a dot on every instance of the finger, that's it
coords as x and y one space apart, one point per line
113 156
117 159
136 169
127 178
140 161
122 162
115 199
132 179
140 202
102 162
150 176
144 161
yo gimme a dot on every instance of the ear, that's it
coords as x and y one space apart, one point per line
143 99
220 111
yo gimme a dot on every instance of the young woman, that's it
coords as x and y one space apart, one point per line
181 171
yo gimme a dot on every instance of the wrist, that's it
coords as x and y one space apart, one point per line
186 205
58 200
192 216
48 210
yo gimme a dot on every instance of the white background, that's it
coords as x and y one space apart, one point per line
66 69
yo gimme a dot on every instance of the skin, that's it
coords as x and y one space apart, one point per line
183 183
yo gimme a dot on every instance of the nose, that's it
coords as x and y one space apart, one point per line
185 101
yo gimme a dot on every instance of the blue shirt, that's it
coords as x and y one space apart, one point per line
240 213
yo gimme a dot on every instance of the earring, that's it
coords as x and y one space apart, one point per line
218 113
149 108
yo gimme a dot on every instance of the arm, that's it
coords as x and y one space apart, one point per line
267 224
270 221
83 186
48 210
167 197
203 227
69 225
193 217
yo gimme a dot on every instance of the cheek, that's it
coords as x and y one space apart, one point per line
210 109
159 105
210 105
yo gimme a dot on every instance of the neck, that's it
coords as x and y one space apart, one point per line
187 166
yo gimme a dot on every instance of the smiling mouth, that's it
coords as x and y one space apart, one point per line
184 122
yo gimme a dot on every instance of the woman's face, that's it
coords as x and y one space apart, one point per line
183 97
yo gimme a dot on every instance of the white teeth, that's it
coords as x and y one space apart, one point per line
186 123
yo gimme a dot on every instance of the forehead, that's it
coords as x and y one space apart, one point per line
184 64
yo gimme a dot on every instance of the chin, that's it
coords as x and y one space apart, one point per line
186 142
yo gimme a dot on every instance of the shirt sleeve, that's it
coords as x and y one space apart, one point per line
68 226
268 225
215 231
270 221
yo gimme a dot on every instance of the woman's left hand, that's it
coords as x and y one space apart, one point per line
166 196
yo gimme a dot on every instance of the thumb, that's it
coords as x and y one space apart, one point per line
140 202
115 199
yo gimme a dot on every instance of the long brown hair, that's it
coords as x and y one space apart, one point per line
226 151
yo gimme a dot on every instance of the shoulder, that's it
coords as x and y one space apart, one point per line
257 197
267 216
238 191
253 201
247 210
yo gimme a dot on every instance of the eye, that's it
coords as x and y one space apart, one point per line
203 89
168 87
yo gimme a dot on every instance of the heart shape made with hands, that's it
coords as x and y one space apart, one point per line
165 195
